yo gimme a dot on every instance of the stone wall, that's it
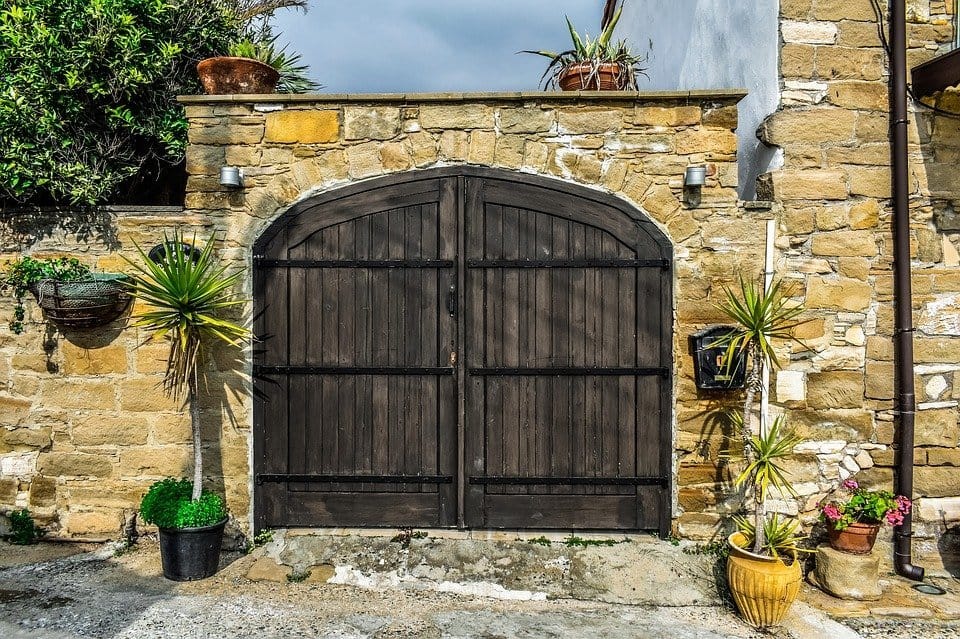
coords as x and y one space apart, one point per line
84 429
836 251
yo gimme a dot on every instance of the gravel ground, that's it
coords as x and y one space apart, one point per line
101 595
914 628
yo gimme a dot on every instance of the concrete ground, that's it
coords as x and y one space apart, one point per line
371 587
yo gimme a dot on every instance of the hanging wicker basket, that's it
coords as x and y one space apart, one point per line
93 301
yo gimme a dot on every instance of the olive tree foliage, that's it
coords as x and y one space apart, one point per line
88 88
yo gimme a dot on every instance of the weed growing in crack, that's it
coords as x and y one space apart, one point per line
406 535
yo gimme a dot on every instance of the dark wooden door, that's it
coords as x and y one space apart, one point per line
566 366
358 406
464 348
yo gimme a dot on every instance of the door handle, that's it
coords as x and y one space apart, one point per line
452 300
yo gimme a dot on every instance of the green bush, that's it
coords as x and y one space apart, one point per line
168 505
87 90
23 530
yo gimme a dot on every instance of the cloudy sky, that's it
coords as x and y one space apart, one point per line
387 46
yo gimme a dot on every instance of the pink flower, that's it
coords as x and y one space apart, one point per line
831 512
903 504
851 484
894 517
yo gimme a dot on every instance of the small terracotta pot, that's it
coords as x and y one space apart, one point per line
581 77
857 538
227 76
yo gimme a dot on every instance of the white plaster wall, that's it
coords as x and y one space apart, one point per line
708 44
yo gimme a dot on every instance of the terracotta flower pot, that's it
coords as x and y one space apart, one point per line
763 587
581 77
857 538
228 76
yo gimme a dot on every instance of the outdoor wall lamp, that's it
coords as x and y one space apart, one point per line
231 176
693 180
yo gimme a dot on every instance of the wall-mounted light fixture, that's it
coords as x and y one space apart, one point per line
693 180
231 176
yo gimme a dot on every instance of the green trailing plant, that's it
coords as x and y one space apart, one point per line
293 75
169 503
23 530
22 275
594 52
573 541
186 295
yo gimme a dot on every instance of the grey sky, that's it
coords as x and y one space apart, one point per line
381 46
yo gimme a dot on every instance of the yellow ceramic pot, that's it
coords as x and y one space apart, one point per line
763 587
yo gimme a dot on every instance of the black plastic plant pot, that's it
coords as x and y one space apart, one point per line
189 554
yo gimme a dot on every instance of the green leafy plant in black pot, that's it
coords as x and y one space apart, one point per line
191 531
185 295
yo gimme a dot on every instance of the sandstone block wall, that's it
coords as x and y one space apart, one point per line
836 252
84 428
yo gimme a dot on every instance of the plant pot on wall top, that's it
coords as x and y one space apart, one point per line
227 75
607 76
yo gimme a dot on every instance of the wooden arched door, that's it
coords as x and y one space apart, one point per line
463 347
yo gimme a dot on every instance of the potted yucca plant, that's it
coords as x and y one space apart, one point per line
600 64
762 570
184 295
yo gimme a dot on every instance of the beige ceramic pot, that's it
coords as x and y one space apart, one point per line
763 587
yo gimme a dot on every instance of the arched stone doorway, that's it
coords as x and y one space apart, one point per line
463 347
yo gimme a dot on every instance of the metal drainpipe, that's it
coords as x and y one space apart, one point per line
902 293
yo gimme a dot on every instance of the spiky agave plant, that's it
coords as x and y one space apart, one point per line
780 535
185 294
293 75
594 52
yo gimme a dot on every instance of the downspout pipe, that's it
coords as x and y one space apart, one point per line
902 291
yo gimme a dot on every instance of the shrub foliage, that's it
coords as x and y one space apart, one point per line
168 505
23 530
87 90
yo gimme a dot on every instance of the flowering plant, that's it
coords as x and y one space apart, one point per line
865 506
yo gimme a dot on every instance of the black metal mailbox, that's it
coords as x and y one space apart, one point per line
709 369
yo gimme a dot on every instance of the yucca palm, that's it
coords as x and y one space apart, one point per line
780 536
185 294
761 317
764 469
